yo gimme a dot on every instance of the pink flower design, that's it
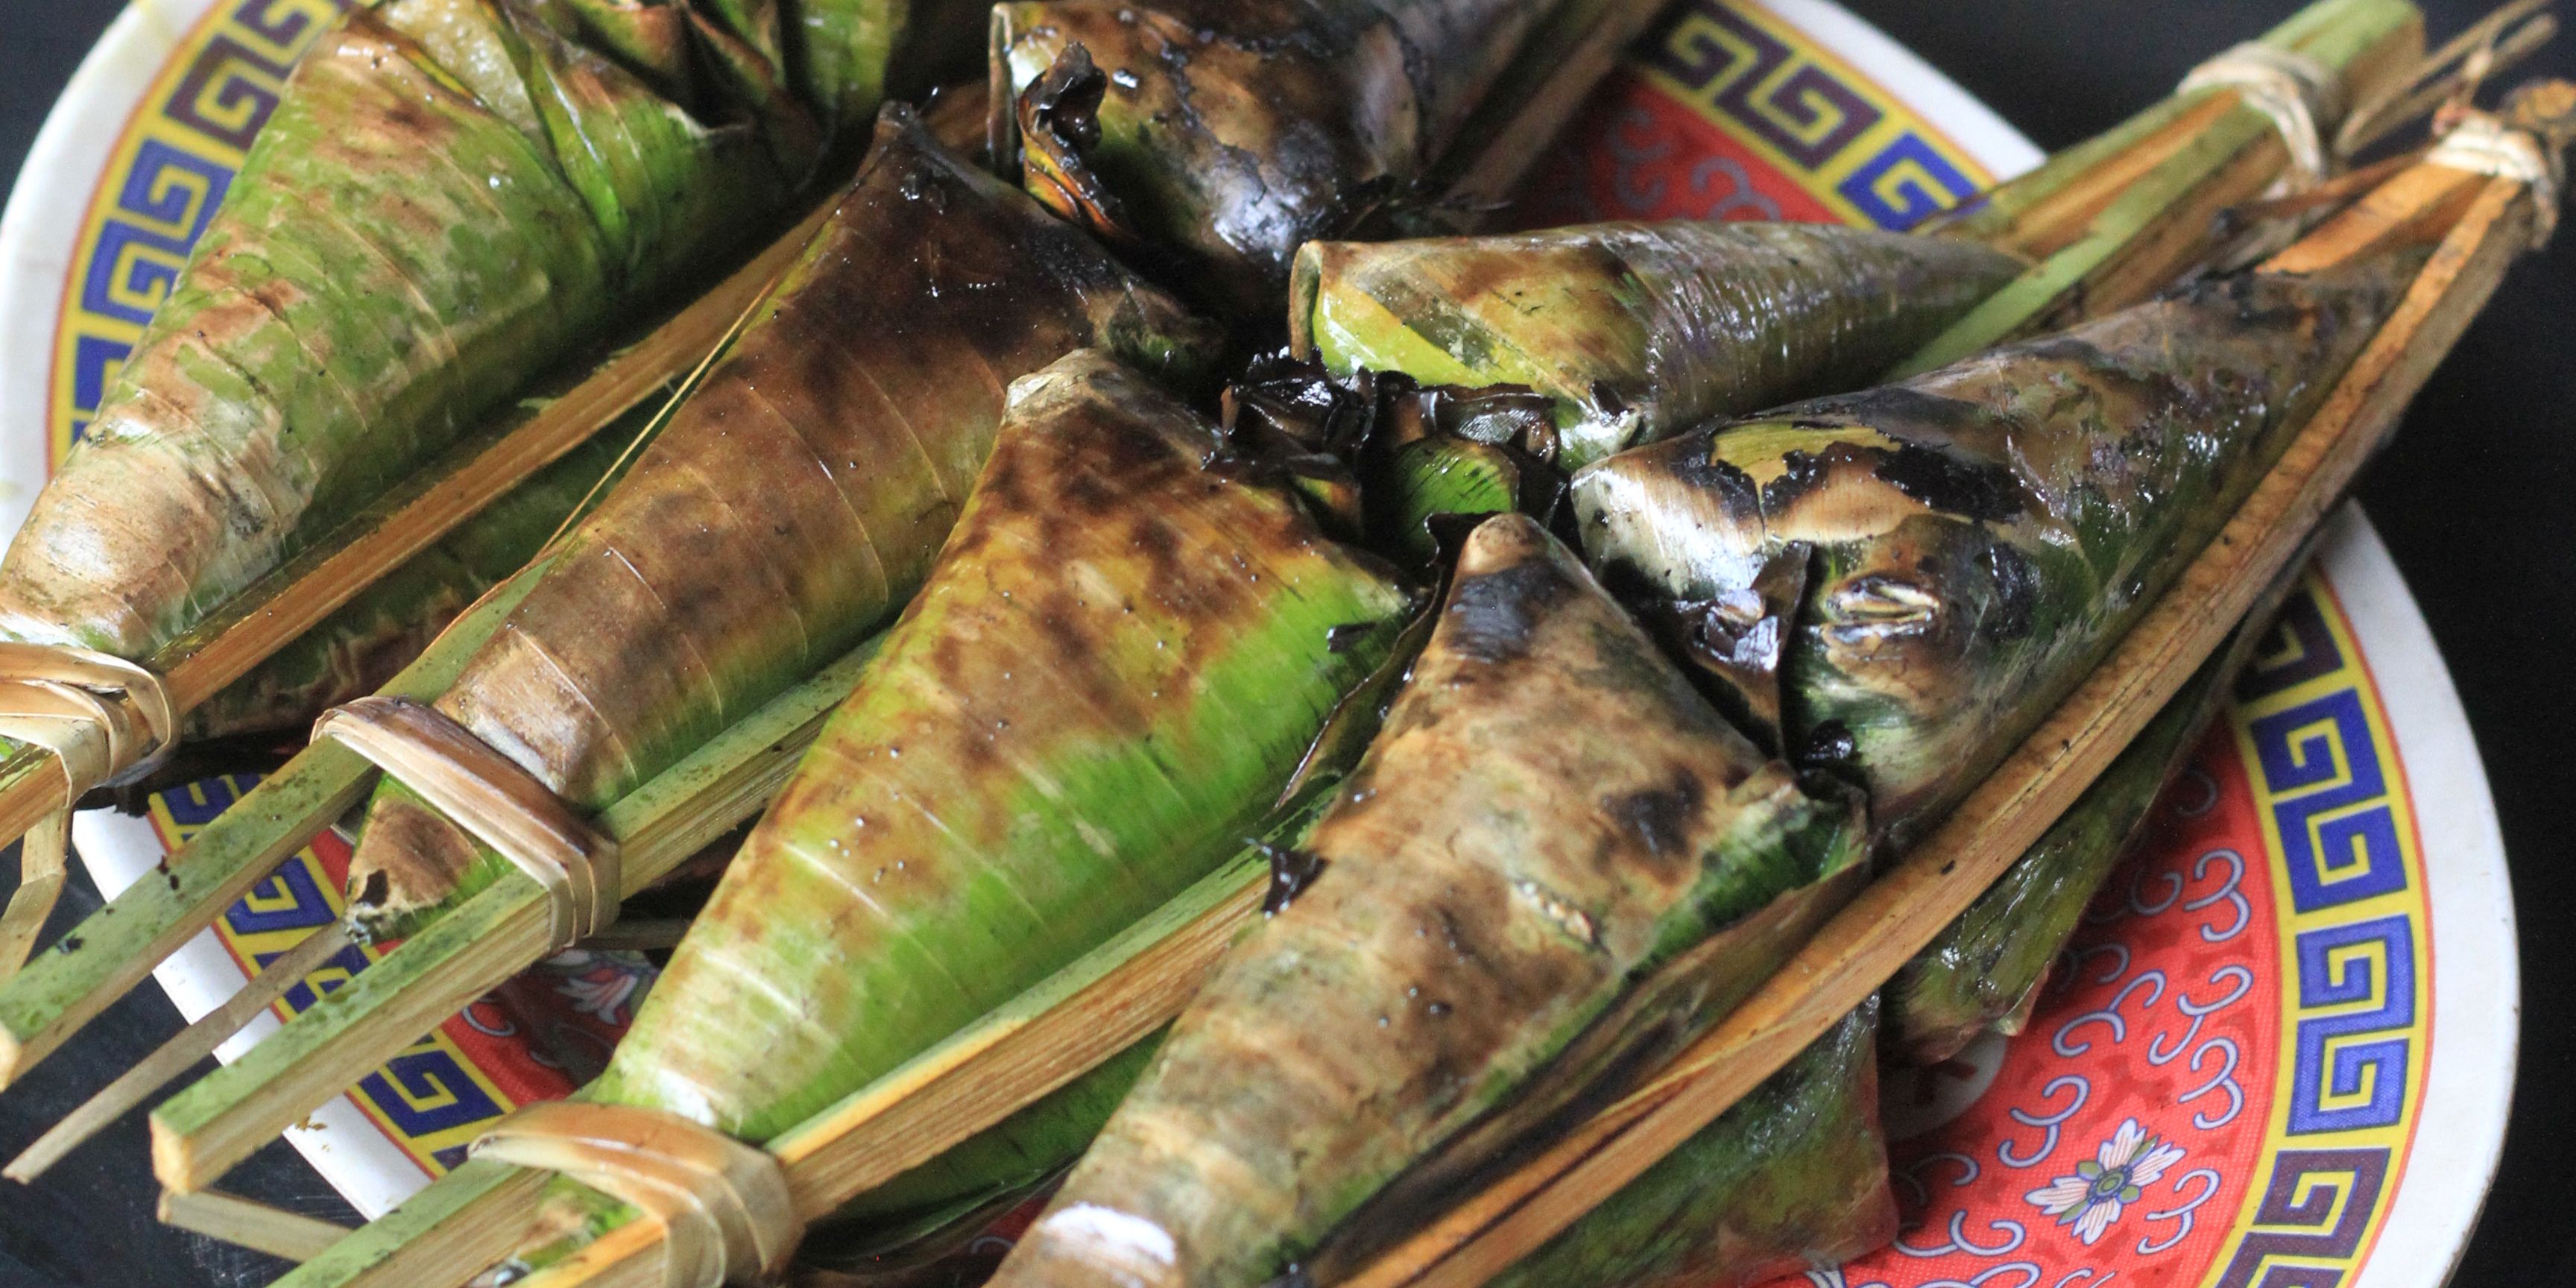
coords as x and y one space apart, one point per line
2102 1185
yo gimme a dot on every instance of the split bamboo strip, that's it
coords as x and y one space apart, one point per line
2118 219
1507 135
1904 909
297 596
179 1054
203 1131
1091 1010
291 1236
118 945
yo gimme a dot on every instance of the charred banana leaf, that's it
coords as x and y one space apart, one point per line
1793 1178
1637 331
1109 683
1555 863
1893 586
1222 134
792 504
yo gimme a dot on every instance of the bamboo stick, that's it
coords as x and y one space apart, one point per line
1507 135
1079 1017
297 596
121 943
1899 913
2113 224
203 1131
179 1054
291 1236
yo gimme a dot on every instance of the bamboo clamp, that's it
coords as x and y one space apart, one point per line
2293 89
494 798
103 721
723 1206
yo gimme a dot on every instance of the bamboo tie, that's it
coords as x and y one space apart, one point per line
496 800
2296 91
724 1206
105 721
2482 143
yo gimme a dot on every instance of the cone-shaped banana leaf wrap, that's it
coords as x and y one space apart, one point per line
1555 864
451 197
1222 134
1108 684
1637 331
790 506
1894 586
1986 968
360 646
1793 1178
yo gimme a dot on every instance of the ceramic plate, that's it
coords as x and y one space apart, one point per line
2309 964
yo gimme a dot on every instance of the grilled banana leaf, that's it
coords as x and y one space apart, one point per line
1556 864
1108 684
1893 586
791 505
1222 134
1793 1178
1637 331
452 197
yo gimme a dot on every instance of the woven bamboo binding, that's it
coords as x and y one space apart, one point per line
723 1206
494 798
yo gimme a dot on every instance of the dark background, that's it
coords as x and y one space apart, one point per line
2472 499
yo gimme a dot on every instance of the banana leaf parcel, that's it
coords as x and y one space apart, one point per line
792 504
1219 135
1892 586
1555 864
1110 681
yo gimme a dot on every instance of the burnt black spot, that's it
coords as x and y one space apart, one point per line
371 894
1291 872
1986 492
1608 399
1491 617
2015 608
1697 467
1347 636
1661 817
70 944
1829 745
1800 474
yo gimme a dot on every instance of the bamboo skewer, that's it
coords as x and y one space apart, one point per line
298 595
136 931
1904 909
203 1131
2112 221
180 1053
291 1236
1506 136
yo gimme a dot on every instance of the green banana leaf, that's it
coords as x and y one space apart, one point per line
1219 135
1109 682
1894 586
1555 865
791 505
1793 1178
1637 331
